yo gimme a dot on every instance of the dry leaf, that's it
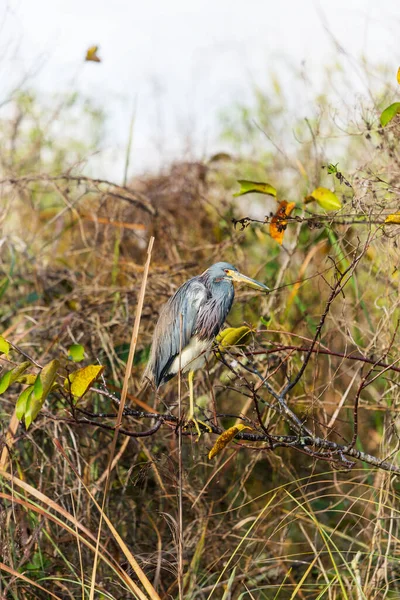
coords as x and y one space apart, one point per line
91 54
279 222
224 439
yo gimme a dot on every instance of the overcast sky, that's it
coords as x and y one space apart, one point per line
180 62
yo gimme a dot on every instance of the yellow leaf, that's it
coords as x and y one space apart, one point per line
231 336
325 198
398 75
91 54
4 346
224 439
395 218
27 379
279 222
247 187
80 381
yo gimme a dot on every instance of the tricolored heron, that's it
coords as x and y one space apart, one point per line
204 302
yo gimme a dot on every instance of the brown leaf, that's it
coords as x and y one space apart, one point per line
279 222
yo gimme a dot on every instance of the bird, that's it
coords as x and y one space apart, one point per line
188 324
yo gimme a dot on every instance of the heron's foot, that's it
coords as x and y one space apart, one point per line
196 422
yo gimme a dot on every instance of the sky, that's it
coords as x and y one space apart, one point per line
177 64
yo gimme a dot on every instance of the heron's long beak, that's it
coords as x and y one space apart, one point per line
240 278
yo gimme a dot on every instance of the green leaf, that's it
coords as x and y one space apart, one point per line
4 346
10 376
389 113
32 409
220 156
20 407
332 169
76 352
42 386
38 388
5 381
247 187
266 321
80 381
46 377
325 198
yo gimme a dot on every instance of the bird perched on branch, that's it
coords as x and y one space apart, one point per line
189 322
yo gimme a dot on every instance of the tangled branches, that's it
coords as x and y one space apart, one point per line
251 383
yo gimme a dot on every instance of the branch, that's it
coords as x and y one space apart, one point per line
317 220
337 289
305 443
116 191
316 442
320 350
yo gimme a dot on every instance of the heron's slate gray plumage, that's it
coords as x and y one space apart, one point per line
204 303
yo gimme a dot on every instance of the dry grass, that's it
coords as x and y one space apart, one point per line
256 524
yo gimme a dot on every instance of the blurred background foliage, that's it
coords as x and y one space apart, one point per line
256 524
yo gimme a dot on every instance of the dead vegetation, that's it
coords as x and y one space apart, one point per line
260 520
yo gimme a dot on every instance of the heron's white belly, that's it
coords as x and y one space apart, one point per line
193 355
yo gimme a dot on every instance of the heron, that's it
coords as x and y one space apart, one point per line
188 324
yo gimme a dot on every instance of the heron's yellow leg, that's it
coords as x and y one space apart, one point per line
191 406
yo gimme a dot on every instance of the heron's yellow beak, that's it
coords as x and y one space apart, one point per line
240 278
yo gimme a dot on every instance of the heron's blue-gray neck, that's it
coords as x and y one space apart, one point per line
214 312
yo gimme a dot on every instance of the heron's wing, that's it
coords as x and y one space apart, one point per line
167 341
